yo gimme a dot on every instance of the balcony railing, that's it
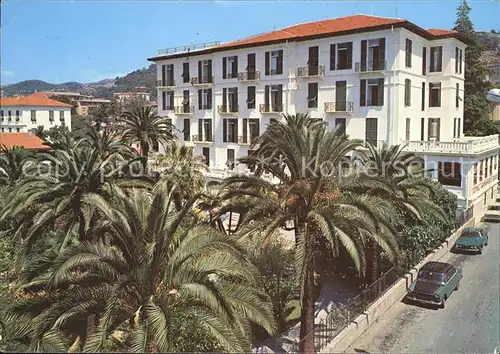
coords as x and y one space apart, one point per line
308 71
246 139
184 109
370 66
227 109
249 76
203 139
340 106
484 183
271 108
187 48
205 81
471 145
167 84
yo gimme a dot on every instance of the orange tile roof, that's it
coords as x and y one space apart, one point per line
26 140
332 26
36 99
325 28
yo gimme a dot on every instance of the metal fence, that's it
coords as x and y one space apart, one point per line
341 315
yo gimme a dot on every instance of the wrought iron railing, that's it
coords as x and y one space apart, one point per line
249 76
165 83
184 109
206 80
370 66
227 109
187 48
270 108
204 138
339 106
311 70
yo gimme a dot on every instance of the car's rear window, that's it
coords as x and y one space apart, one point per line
494 207
470 234
430 276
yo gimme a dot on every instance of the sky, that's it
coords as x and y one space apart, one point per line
86 41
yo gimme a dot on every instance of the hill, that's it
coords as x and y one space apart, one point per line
145 77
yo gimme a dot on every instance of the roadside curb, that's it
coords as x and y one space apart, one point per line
393 295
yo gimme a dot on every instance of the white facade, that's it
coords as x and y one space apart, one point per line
397 120
26 118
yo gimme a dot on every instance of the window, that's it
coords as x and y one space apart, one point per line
456 59
449 174
372 55
312 95
372 92
251 97
17 113
436 59
9 113
408 52
18 130
1 115
460 58
33 116
274 62
341 56
206 155
457 96
230 130
254 128
341 96
3 129
185 101
230 159
407 131
167 75
340 125
456 128
423 96
434 127
51 116
230 67
251 67
205 71
170 127
273 98
185 72
205 99
435 94
10 130
491 165
205 130
313 61
168 100
424 61
187 129
61 116
422 129
230 99
407 93
371 132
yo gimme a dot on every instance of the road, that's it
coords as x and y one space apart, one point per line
470 322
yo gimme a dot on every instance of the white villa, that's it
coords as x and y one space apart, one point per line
381 79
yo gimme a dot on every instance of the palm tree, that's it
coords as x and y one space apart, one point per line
146 279
144 126
304 157
409 190
12 164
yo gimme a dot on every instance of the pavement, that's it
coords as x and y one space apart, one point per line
470 322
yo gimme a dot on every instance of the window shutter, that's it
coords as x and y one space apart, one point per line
245 130
224 130
424 61
409 45
209 99
458 128
430 94
251 97
382 53
171 100
200 129
440 59
224 67
422 129
439 95
280 95
266 96
210 70
164 100
438 129
363 55
380 92
460 65
433 49
332 56
456 60
224 97
200 99
235 130
235 98
280 62
163 74
362 92
349 55
235 67
199 70
267 62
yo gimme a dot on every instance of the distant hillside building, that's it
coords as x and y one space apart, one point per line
81 103
123 97
25 113
493 61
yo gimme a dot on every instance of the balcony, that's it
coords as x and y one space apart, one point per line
311 71
227 109
167 85
249 76
339 107
270 108
467 145
203 139
203 81
370 66
184 109
246 139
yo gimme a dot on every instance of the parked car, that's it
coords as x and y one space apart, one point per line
472 239
435 283
492 213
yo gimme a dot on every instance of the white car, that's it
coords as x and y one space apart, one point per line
492 213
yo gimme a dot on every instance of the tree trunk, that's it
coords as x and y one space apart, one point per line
372 268
144 146
307 311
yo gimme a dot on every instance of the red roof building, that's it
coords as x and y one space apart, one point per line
38 99
26 140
